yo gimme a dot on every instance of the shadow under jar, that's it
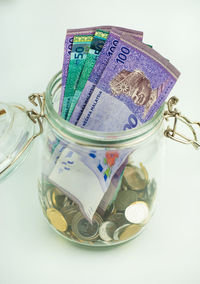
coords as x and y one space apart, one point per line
79 166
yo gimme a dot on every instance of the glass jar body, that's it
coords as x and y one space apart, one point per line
98 189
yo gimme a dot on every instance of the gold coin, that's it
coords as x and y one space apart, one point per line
57 219
135 178
57 198
129 232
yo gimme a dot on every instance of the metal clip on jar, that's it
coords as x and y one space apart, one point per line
131 201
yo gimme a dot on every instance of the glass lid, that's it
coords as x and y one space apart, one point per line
16 132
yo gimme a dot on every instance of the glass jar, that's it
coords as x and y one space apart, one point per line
95 188
77 167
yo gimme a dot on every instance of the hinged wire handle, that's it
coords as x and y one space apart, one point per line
35 117
172 133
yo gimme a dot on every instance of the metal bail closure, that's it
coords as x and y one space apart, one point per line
176 115
35 116
17 132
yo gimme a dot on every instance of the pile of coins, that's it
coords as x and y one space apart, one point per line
124 218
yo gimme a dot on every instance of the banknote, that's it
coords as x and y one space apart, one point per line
133 86
97 44
80 48
97 71
113 189
68 47
67 53
95 170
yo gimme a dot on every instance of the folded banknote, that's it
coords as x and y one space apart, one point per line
85 175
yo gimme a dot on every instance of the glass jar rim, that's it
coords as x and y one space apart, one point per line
98 138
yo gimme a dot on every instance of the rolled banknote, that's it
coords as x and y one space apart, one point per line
97 71
133 86
112 190
68 47
96 46
94 168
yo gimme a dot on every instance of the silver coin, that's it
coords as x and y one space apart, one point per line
124 199
118 231
137 212
106 231
83 229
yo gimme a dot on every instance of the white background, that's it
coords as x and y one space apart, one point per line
32 35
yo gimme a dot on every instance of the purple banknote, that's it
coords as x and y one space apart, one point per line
98 69
133 86
68 47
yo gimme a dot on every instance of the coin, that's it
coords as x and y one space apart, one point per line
135 178
48 200
57 198
118 231
117 218
141 195
144 171
67 202
124 199
69 212
109 211
46 185
124 186
151 191
129 232
67 234
137 212
57 219
106 231
83 229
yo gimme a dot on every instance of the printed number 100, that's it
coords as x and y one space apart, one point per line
132 122
122 55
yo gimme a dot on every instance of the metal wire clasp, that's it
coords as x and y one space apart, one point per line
172 133
33 114
35 117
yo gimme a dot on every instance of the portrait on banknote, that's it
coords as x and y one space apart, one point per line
136 85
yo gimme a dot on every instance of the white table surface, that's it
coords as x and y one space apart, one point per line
31 50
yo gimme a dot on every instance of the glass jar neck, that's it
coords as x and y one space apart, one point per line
85 137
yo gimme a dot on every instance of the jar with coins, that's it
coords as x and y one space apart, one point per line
95 188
